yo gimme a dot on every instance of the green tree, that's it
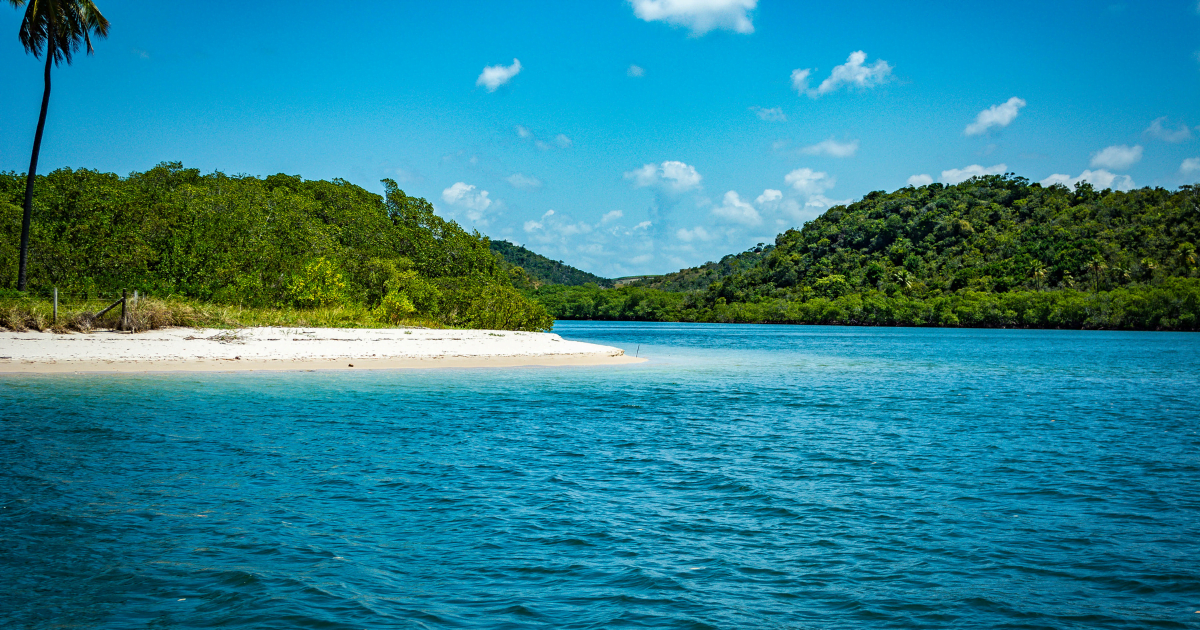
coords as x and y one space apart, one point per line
54 28
1096 267
1038 271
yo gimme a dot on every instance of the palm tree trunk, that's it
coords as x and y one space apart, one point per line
33 160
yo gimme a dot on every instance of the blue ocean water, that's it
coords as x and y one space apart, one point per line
744 477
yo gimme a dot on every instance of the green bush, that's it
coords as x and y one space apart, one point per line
318 284
243 240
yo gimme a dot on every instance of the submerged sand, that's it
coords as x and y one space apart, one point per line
190 349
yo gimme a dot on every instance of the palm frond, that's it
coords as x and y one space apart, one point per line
59 27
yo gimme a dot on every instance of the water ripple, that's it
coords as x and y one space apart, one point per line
746 477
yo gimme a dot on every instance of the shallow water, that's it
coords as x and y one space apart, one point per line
745 477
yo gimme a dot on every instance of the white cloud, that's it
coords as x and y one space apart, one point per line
701 16
769 196
1099 178
960 175
672 175
1118 156
852 73
635 71
995 116
462 194
920 180
734 210
493 77
800 79
609 217
644 225
519 180
465 196
561 140
808 181
553 228
774 114
697 233
1190 165
832 148
821 201
1158 129
643 177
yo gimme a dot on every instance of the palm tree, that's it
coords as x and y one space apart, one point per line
54 28
1149 265
1096 267
1038 271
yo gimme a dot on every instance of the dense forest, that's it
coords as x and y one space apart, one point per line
544 270
992 251
279 241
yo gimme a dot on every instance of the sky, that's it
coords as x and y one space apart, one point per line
626 137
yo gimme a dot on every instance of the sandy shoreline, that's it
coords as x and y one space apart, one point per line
252 349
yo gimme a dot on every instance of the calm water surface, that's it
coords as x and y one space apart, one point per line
745 477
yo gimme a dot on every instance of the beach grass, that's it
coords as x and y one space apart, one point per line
148 313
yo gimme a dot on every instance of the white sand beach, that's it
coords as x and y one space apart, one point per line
191 349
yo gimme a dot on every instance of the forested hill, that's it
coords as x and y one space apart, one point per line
543 269
992 251
277 242
993 234
694 278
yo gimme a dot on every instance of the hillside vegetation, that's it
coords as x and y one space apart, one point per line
544 270
695 278
279 242
992 251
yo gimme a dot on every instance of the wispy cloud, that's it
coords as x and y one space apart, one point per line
1158 129
808 181
960 175
1099 178
493 77
832 148
635 70
1118 156
520 180
672 175
734 210
854 73
562 141
995 116
773 114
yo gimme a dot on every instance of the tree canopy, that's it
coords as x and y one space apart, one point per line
992 251
274 241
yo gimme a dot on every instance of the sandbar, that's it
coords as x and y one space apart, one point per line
271 348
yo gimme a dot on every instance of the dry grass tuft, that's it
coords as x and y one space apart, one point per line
150 313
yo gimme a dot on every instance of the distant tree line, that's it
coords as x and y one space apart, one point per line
992 251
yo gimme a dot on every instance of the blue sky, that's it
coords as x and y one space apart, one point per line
627 137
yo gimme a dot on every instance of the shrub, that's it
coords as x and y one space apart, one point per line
319 284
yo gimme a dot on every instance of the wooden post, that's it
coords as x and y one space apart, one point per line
56 305
124 301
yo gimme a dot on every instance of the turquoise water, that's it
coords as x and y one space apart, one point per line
745 477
